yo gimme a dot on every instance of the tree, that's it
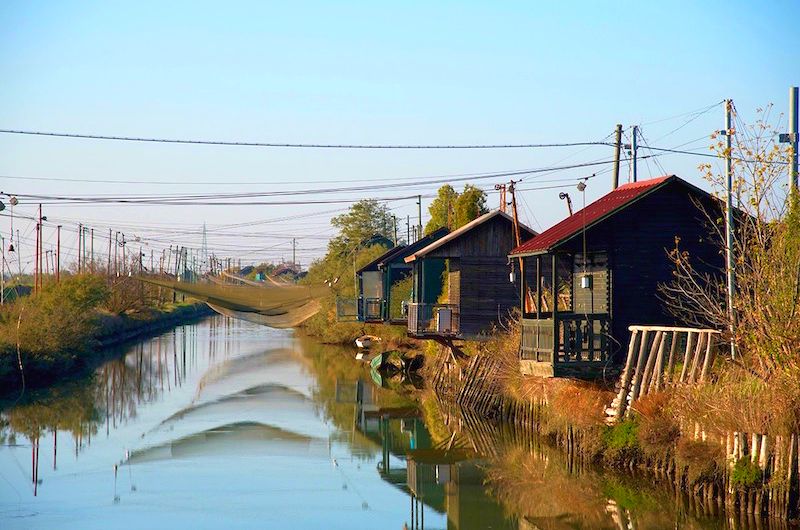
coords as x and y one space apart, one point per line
470 205
766 251
441 209
362 222
453 210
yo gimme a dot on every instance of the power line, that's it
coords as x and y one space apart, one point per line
287 144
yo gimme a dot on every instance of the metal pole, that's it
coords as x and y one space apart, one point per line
729 217
617 149
58 253
793 175
91 232
294 251
634 148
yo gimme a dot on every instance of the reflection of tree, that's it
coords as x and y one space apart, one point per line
111 394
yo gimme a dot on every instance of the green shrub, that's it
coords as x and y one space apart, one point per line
621 442
746 474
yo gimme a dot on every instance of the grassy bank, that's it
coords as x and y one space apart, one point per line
64 329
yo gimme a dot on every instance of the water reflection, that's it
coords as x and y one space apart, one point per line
224 423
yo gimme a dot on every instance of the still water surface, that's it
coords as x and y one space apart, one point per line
225 424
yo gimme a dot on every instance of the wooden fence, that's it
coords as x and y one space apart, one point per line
659 356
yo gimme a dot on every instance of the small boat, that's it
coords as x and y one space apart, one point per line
365 341
388 361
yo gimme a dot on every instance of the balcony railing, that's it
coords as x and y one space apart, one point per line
347 310
359 310
581 338
371 310
433 320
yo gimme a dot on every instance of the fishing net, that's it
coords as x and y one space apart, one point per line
274 305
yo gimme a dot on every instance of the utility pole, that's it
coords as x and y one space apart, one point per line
36 262
394 219
793 175
419 212
408 229
3 272
502 188
294 251
617 149
518 239
80 234
108 267
729 216
91 232
634 149
41 246
58 253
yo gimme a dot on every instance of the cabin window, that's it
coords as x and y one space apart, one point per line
538 285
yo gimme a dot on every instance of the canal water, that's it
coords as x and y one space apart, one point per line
226 424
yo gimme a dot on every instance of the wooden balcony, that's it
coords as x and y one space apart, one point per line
569 345
433 320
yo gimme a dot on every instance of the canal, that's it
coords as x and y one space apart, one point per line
223 423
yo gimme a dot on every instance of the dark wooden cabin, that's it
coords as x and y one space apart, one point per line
461 281
606 263
381 298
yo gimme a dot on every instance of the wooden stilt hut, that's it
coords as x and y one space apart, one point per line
380 300
461 281
597 272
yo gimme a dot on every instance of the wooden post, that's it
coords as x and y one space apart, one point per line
698 352
673 348
655 382
711 351
644 378
640 364
627 373
686 357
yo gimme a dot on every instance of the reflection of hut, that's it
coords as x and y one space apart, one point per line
461 281
605 264
456 488
379 285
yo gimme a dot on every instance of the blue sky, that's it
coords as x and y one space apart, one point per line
371 72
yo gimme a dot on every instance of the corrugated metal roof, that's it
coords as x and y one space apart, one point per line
464 229
592 214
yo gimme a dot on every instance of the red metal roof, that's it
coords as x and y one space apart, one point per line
592 214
